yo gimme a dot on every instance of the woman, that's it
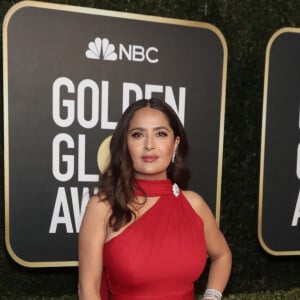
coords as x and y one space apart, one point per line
143 236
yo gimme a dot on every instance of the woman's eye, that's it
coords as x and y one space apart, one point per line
162 133
136 134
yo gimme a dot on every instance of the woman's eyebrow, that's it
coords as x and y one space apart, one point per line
154 129
160 128
136 128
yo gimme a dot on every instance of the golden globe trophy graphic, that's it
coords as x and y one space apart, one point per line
103 154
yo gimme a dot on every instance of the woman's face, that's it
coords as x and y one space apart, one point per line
151 143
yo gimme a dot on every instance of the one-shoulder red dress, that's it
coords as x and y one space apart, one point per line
158 256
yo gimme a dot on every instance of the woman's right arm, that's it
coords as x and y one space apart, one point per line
91 240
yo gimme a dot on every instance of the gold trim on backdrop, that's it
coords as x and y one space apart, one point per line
263 137
100 12
117 14
221 129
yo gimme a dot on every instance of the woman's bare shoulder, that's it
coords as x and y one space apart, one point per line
98 207
196 201
194 198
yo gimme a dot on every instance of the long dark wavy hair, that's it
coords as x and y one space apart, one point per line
117 181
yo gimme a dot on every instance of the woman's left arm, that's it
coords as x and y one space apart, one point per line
216 245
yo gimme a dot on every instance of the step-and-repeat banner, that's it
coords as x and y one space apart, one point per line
279 193
69 73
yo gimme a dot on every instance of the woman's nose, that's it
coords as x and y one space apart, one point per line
149 144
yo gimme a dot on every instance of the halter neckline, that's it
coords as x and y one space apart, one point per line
154 188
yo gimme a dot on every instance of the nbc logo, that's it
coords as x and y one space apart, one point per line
103 49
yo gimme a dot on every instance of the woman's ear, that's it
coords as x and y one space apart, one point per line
176 143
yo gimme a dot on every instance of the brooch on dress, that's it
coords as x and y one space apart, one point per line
176 190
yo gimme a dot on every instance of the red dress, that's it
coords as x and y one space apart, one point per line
158 256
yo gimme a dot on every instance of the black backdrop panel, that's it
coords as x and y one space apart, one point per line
279 213
69 72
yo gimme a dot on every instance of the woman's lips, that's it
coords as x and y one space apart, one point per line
149 158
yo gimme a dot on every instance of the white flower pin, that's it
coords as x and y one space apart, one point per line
175 189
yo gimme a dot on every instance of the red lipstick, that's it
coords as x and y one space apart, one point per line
149 158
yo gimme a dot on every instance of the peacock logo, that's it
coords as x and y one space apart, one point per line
100 47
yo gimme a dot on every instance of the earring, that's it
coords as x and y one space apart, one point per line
173 157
